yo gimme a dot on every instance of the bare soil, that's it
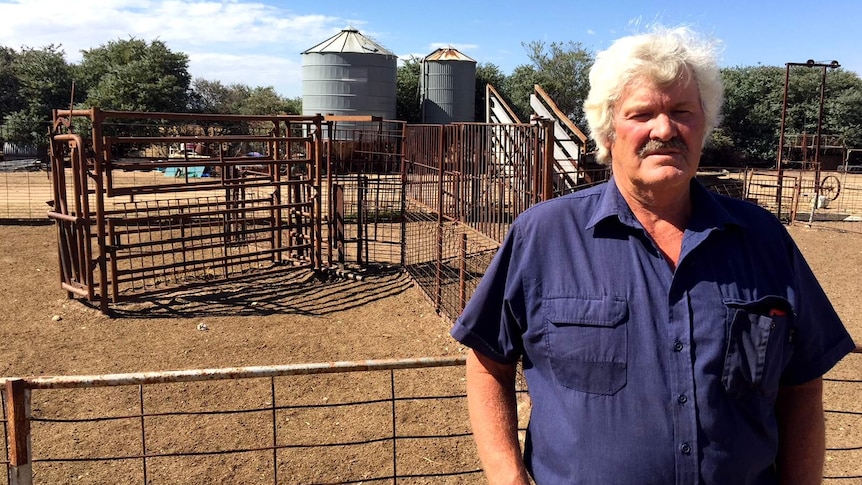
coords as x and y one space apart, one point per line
284 319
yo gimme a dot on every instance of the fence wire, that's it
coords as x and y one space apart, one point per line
345 422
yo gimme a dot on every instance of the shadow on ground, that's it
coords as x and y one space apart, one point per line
284 291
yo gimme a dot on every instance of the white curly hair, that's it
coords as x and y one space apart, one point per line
661 56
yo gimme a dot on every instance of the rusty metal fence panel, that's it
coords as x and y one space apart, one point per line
225 194
366 199
335 422
464 185
392 424
25 191
835 203
843 441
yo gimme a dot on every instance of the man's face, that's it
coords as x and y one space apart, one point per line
658 134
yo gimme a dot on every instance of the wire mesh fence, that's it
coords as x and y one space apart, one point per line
339 422
843 437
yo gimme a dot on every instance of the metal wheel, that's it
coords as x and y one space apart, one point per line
830 187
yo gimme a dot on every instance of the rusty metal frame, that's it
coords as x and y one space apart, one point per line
285 223
464 184
17 397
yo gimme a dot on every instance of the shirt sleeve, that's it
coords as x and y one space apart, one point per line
491 322
821 339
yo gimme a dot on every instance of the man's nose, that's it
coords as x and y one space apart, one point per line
663 128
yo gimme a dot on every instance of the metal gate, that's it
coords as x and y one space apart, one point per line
366 203
151 202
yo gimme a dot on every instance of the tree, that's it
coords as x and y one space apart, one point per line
518 87
562 69
843 107
752 111
10 101
265 101
754 98
132 75
44 82
407 103
215 97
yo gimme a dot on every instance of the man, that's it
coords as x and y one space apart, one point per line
668 334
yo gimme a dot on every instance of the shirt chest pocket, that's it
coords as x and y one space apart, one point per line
759 345
587 342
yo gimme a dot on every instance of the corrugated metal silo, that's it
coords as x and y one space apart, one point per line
349 74
448 87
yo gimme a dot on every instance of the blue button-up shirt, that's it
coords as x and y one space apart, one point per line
642 374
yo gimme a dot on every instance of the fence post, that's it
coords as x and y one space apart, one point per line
462 276
394 428
18 418
338 221
548 179
441 166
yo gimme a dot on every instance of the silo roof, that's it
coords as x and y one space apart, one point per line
349 40
447 54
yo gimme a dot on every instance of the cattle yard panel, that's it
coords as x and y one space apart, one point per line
378 421
381 421
228 194
464 185
365 202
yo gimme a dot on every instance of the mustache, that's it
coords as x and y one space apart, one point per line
653 146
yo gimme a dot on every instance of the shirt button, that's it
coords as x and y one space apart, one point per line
677 346
682 399
685 449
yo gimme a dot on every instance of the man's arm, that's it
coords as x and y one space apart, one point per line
494 419
801 433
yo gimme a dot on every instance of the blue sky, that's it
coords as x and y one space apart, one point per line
259 43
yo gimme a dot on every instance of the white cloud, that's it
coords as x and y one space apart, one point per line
227 40
253 70
461 47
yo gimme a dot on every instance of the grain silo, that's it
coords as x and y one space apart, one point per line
349 74
448 87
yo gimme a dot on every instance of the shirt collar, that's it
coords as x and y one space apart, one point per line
707 212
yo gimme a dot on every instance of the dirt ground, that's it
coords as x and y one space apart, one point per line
285 320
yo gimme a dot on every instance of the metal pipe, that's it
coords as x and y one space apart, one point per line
808 63
780 161
194 375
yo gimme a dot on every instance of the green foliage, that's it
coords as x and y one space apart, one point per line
132 75
42 81
407 107
518 88
754 97
752 111
264 101
215 97
842 107
10 101
562 69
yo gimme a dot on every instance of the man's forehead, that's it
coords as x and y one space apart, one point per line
643 89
